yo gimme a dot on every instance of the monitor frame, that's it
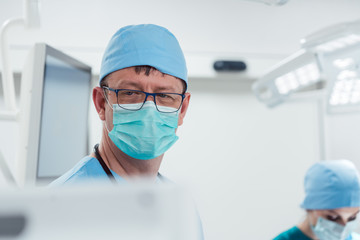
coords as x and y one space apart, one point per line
31 106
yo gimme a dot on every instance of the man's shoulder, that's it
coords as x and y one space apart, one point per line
86 169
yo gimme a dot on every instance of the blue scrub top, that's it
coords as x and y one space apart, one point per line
87 170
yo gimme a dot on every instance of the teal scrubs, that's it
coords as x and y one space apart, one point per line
295 233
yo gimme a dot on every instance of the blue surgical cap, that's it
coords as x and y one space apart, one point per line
332 184
144 44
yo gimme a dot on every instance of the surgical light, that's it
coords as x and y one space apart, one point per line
298 78
339 43
331 55
346 88
297 72
344 63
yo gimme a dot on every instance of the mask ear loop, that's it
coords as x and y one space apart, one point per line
107 101
107 129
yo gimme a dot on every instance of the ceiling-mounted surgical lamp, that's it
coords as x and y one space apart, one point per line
294 73
331 55
338 49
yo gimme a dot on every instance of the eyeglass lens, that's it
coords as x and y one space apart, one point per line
165 102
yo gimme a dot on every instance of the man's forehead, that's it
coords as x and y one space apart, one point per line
157 79
341 211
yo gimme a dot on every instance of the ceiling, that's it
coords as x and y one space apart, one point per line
259 34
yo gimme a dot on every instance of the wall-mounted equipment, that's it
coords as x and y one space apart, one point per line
30 20
12 112
229 66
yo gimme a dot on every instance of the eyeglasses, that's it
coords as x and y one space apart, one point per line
164 102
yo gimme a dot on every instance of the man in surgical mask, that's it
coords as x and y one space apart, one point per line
332 203
141 100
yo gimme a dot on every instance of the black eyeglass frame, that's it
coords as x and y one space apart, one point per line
116 91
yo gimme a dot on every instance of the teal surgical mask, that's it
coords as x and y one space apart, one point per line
329 230
145 133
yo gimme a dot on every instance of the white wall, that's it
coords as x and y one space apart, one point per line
342 136
244 163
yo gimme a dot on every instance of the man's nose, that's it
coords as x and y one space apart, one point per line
150 98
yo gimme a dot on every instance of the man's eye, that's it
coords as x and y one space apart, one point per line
352 218
333 218
162 95
129 93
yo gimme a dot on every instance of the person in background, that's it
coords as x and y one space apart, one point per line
332 203
141 99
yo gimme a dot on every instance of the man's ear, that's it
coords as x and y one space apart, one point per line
184 108
99 101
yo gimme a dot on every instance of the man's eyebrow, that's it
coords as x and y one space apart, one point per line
169 89
123 83
332 211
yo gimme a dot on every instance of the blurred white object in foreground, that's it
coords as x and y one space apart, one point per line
128 212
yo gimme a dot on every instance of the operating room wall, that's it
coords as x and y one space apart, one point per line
242 162
342 136
9 133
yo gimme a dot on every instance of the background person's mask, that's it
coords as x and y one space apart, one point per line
145 133
329 230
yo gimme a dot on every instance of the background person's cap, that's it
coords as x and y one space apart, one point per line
332 184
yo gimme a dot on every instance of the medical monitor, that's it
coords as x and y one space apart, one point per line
55 97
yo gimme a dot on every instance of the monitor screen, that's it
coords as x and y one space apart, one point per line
64 116
55 100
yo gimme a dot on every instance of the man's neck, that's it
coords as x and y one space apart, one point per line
124 165
306 229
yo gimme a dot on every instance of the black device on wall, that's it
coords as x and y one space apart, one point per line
229 66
